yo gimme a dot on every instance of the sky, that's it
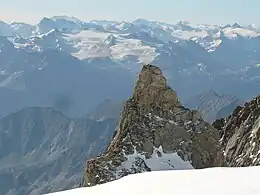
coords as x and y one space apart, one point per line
196 11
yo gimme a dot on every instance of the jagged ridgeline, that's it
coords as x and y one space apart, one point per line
240 135
155 132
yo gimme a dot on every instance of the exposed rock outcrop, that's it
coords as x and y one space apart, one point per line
155 132
240 134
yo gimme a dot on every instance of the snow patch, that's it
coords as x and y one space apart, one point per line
133 47
158 161
92 44
186 35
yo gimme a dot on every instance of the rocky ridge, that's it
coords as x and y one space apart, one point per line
43 151
240 135
155 132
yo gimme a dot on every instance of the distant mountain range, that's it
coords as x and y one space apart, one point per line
95 60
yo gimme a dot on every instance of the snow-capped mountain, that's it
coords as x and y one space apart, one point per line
209 36
194 58
141 36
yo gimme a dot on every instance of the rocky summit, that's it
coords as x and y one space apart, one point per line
240 135
155 132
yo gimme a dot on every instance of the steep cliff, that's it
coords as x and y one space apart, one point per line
155 132
240 135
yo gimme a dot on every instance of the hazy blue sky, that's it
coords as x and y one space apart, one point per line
198 11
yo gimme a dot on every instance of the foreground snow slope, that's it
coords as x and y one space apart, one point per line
214 181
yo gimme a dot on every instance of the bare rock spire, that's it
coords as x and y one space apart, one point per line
152 88
154 133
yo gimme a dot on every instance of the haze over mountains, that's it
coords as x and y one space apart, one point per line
195 58
41 150
64 82
214 106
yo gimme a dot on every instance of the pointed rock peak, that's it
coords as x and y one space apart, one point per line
152 89
154 133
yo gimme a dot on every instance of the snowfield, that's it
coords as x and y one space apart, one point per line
156 163
136 42
92 44
213 181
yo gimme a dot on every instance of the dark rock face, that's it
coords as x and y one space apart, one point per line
43 151
240 134
155 133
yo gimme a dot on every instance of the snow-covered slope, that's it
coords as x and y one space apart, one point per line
89 38
213 181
